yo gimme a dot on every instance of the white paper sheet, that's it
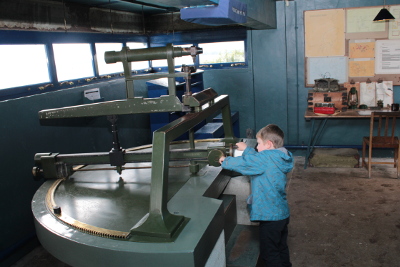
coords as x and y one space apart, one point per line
387 57
92 94
384 91
368 94
394 25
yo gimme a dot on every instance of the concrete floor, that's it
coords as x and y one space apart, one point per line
39 257
339 217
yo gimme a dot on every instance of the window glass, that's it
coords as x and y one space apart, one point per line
187 60
223 52
159 63
103 67
23 65
73 61
139 65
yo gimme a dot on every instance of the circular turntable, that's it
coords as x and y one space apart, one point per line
86 220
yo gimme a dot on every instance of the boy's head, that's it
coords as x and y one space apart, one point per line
270 137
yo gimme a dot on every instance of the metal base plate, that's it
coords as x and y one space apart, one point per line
108 200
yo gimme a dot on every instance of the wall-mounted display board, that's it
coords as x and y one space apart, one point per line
347 45
335 67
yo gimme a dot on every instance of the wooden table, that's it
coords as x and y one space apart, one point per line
350 114
323 118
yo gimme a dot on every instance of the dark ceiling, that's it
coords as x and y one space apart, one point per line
147 7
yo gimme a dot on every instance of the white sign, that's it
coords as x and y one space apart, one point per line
387 57
92 94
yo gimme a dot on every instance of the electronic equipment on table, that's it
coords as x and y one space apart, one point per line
326 102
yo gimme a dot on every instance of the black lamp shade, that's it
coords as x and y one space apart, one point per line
384 14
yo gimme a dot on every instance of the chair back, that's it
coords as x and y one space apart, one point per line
383 127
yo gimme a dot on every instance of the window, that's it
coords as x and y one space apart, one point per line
23 65
138 65
222 52
73 61
28 68
103 67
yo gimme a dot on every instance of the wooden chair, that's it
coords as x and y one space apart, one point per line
381 135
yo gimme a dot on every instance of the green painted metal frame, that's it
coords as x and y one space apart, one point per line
197 199
159 225
117 107
168 52
59 166
160 222
132 104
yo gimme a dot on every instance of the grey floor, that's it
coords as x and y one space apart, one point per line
39 257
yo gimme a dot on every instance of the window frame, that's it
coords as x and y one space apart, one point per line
227 65
218 35
49 38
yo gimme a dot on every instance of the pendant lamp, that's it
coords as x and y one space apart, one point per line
384 14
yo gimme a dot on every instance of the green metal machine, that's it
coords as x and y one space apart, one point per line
167 215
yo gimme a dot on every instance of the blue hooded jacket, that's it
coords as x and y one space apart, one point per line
267 170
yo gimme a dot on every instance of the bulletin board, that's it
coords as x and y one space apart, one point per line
347 45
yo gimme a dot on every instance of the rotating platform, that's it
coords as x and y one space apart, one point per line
93 200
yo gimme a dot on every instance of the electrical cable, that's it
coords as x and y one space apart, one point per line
111 22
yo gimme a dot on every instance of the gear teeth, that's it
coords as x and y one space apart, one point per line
80 226
101 232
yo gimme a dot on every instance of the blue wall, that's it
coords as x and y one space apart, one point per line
272 89
22 136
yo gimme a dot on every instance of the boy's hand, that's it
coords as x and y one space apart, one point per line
241 146
221 159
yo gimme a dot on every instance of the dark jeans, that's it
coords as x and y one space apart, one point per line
273 243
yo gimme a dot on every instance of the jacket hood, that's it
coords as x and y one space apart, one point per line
281 157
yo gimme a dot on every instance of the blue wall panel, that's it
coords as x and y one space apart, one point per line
270 85
272 89
238 85
23 136
279 85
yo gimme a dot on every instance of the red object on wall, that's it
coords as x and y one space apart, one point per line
324 110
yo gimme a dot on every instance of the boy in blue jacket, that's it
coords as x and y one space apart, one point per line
267 169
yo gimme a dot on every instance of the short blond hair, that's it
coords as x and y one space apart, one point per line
273 133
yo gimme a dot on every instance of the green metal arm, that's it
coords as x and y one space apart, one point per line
159 223
166 103
117 107
168 52
58 166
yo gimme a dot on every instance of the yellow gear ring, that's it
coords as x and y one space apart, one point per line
81 226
